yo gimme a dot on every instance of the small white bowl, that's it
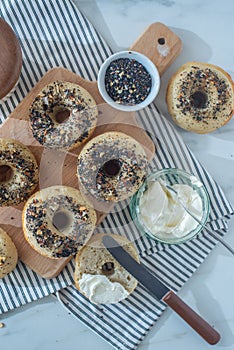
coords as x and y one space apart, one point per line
148 65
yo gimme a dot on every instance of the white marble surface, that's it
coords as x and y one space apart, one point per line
205 28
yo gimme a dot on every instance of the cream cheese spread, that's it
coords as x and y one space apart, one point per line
161 212
100 290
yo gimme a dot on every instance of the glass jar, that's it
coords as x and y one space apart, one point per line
170 177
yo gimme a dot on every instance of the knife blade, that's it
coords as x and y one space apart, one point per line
160 291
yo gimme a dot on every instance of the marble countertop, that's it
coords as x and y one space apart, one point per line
204 27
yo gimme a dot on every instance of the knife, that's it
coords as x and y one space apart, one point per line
160 291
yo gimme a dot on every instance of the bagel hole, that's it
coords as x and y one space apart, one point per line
62 115
108 268
199 99
6 173
112 167
61 220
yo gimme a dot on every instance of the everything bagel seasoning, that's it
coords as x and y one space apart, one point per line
208 94
128 166
58 99
38 217
127 81
24 169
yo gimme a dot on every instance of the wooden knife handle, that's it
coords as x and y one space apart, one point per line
192 318
160 44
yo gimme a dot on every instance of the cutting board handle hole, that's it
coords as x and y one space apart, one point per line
161 41
6 173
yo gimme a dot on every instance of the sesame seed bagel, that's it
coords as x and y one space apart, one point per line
200 97
18 172
94 261
63 115
112 166
8 254
57 221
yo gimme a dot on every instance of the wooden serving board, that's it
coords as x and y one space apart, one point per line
58 167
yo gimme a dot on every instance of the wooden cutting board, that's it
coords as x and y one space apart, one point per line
162 46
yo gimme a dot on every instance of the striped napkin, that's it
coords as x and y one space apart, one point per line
124 325
54 33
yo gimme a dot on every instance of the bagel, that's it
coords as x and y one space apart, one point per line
57 221
63 115
18 172
111 166
8 254
99 276
200 97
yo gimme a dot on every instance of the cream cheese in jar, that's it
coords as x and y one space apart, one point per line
162 214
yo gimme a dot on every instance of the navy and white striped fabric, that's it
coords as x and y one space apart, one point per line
54 33
131 319
51 33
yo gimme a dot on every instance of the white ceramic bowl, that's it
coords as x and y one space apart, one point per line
149 66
